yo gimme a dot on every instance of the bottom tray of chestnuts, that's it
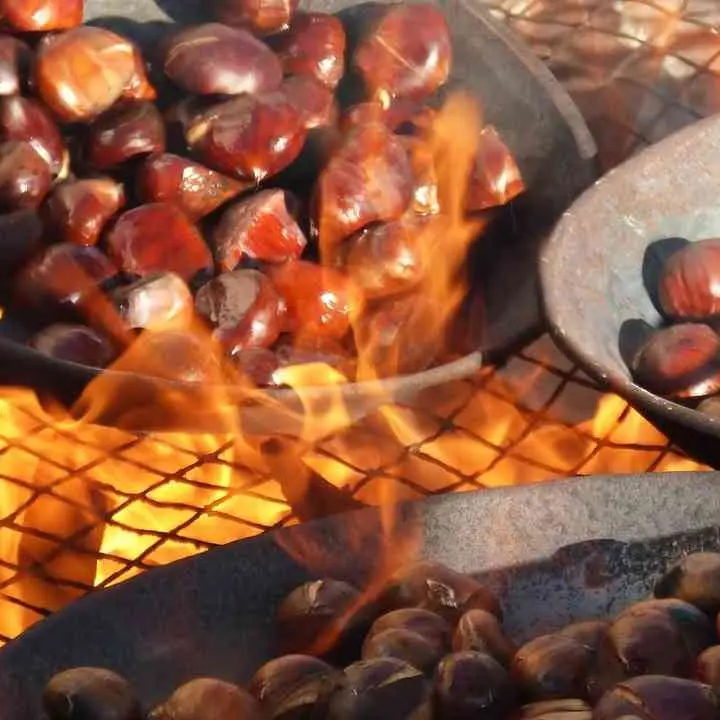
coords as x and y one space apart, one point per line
432 645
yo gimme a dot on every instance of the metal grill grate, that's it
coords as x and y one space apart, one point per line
85 507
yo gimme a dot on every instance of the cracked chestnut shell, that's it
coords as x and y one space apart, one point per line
208 699
681 361
694 579
87 692
81 73
263 17
74 343
24 177
214 59
15 61
481 631
43 15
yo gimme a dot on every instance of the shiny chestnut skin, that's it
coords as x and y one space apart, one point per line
263 17
688 287
481 631
406 645
681 361
320 300
214 59
244 309
24 177
707 669
315 102
427 624
471 685
27 120
294 687
157 301
251 136
694 579
208 699
125 132
74 343
657 697
589 633
15 60
155 238
77 210
407 54
368 179
43 15
314 46
382 687
81 73
567 709
195 189
260 227
86 692
257 365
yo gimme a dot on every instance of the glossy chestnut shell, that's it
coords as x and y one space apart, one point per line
24 177
694 579
43 15
208 697
215 59
481 631
157 301
74 343
707 669
15 60
411 647
263 17
428 625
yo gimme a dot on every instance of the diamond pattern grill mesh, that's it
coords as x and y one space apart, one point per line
86 507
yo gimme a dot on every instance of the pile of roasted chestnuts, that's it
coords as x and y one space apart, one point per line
432 645
278 188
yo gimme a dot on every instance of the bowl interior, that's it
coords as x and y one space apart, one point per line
598 265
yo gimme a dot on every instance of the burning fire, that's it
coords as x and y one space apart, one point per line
87 500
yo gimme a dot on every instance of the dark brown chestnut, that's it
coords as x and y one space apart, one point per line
320 300
471 685
194 188
481 631
15 60
123 133
294 687
314 46
495 178
75 343
43 15
694 579
244 309
81 73
77 210
407 54
260 227
368 179
257 365
214 59
158 238
657 697
315 102
208 699
381 688
707 669
589 632
567 709
21 238
157 301
680 361
26 120
263 17
86 692
24 177
428 625
410 647
252 136
687 287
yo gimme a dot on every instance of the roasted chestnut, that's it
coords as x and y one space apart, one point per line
368 179
15 59
481 631
215 59
568 709
43 15
319 300
261 16
314 101
24 177
694 579
687 286
26 120
86 692
21 238
680 361
407 54
77 210
411 647
194 188
157 301
381 688
315 46
470 685
259 227
252 136
208 699
589 632
657 697
123 133
158 238
707 669
244 309
294 687
427 624
257 365
75 343
81 73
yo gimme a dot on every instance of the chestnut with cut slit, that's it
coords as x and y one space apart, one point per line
315 102
481 631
